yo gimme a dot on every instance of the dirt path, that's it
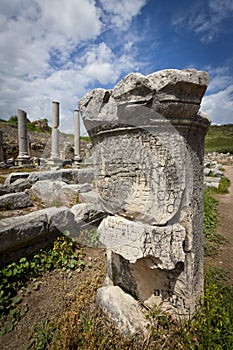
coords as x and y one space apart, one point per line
225 227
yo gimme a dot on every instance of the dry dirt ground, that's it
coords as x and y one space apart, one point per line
225 228
50 297
57 290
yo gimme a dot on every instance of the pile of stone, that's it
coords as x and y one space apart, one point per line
213 172
56 191
223 158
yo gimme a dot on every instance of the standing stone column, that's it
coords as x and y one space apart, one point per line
148 139
1 147
23 157
77 157
55 156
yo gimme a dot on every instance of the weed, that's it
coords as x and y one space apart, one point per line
212 327
2 179
63 254
212 238
41 335
223 186
89 237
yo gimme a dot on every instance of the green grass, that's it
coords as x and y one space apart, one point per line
85 138
30 125
223 186
212 238
63 254
84 326
219 139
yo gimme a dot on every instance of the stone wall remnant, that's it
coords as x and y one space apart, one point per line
148 140
23 157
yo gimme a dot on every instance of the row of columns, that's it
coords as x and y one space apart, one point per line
24 157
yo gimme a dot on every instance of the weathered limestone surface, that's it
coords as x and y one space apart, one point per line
23 230
77 176
89 213
55 132
124 310
15 201
23 157
19 185
134 240
76 137
148 140
15 176
90 197
57 193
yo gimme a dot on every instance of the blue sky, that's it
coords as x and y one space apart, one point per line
61 49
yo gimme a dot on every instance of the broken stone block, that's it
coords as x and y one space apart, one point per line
89 213
148 144
89 197
211 181
125 311
12 201
22 233
57 193
15 176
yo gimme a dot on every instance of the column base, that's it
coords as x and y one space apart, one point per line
77 160
55 162
24 160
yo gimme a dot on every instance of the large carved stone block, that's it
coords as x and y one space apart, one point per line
148 140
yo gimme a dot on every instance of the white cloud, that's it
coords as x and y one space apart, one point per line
50 50
220 78
79 20
205 22
219 106
122 11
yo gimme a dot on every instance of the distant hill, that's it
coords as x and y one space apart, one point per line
219 139
39 134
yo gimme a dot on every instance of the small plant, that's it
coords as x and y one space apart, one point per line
212 327
223 186
64 254
212 238
2 179
41 335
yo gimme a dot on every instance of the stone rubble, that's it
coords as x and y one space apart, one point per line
57 193
12 201
122 306
41 225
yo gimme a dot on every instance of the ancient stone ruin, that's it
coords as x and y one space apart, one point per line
77 157
23 157
148 140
